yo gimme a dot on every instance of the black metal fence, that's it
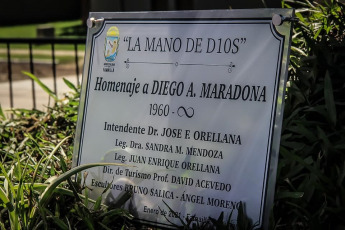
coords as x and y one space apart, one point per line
39 41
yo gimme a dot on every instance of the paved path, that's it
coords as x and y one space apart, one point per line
22 93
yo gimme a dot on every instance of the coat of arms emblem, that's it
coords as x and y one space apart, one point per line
111 44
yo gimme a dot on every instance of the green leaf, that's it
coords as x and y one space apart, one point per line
298 50
300 17
14 219
302 130
116 212
59 223
112 215
52 153
44 198
5 200
43 86
98 203
295 195
186 225
103 226
2 226
70 85
86 201
322 135
2 114
317 33
293 144
121 199
339 146
298 159
51 189
40 187
243 221
9 181
329 99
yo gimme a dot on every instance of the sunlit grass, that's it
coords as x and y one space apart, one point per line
62 30
29 31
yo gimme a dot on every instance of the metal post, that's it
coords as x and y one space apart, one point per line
9 68
54 68
76 62
32 71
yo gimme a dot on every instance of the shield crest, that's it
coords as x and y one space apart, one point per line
111 44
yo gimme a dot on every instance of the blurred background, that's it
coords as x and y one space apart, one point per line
38 11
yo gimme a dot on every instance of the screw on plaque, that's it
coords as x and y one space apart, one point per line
91 22
279 19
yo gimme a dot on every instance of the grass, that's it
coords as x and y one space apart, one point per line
67 29
29 31
36 189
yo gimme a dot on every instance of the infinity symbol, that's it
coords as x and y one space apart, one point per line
181 111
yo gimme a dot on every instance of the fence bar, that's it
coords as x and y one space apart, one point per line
54 67
9 68
32 71
38 41
43 40
76 62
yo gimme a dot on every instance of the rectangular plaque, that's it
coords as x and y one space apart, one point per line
194 101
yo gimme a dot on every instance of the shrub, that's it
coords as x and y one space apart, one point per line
312 160
36 190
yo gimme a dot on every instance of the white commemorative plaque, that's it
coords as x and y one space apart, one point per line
194 101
